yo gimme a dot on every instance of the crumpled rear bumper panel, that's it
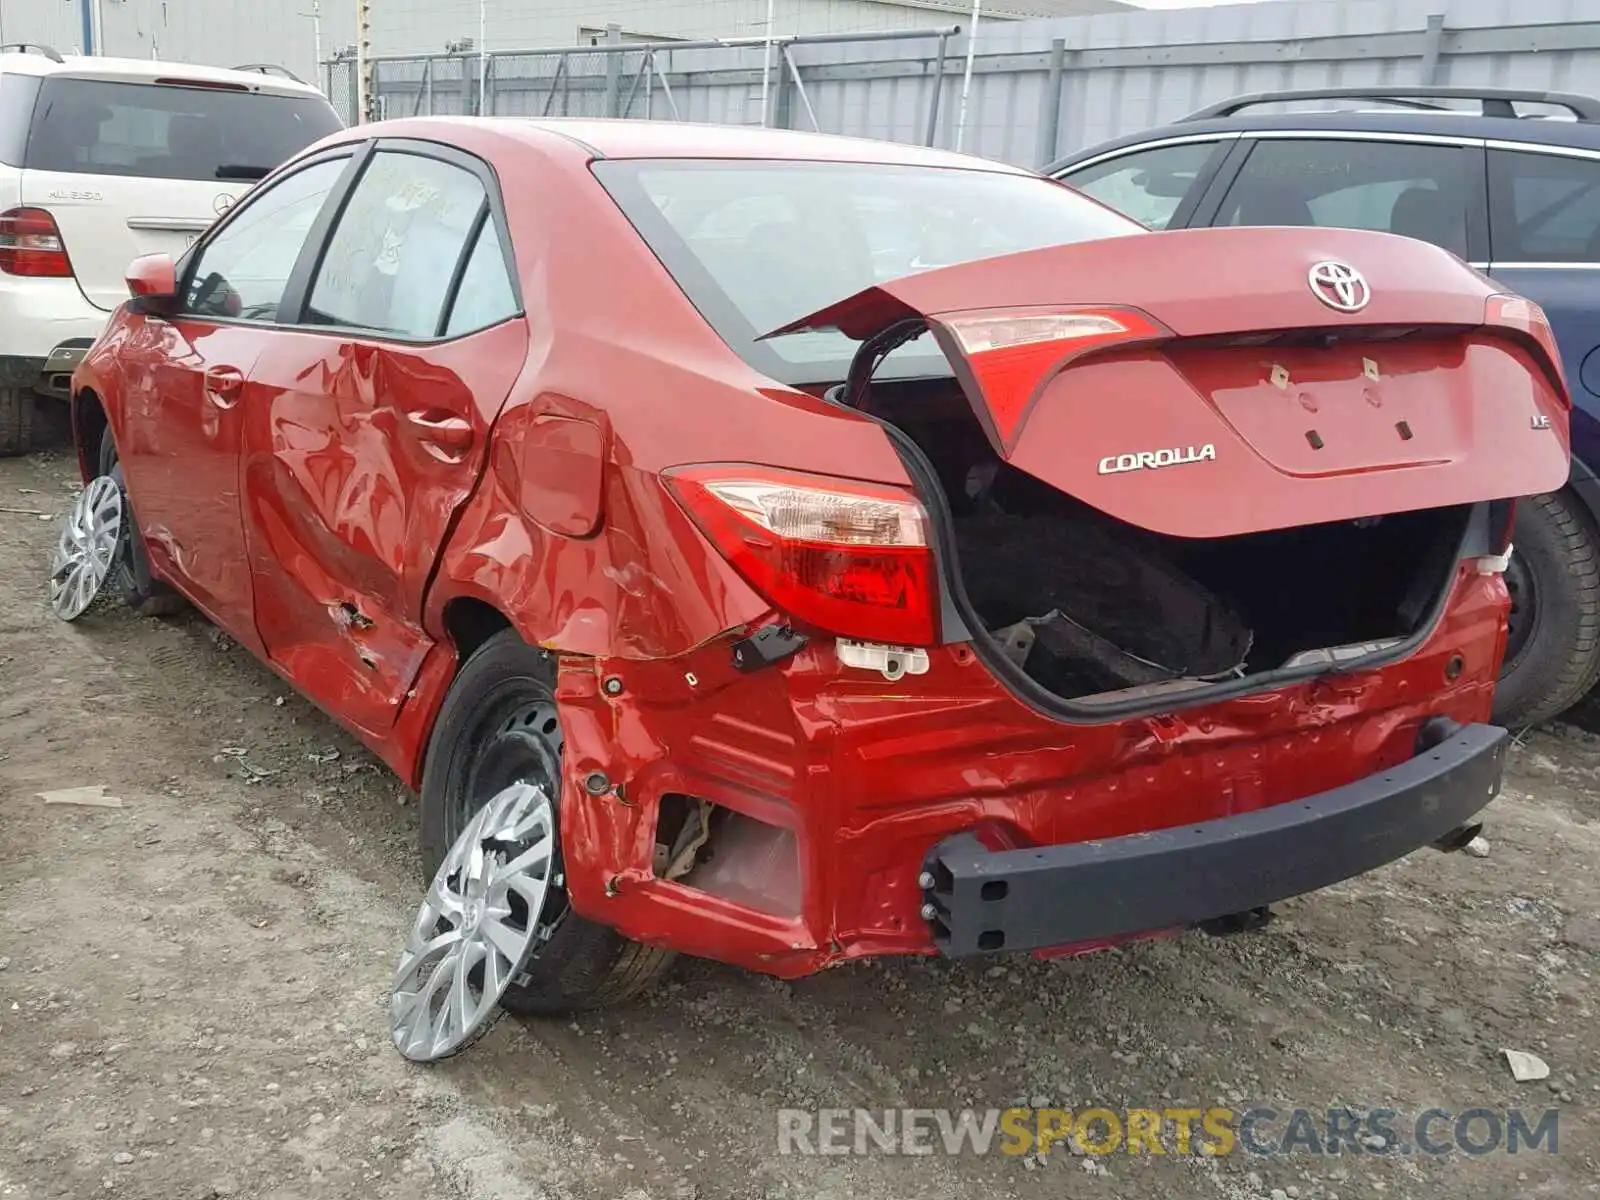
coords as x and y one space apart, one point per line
869 776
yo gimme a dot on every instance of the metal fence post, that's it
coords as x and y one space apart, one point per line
799 88
353 82
1050 111
1432 41
938 88
666 88
779 112
613 69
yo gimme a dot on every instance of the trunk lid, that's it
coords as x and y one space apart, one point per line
1204 383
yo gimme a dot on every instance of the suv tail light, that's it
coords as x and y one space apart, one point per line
30 244
850 558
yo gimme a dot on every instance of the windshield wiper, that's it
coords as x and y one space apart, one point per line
242 171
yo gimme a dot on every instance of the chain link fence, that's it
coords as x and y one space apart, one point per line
739 82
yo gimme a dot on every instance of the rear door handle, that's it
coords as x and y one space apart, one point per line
441 429
223 385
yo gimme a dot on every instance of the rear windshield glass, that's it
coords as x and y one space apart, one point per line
756 245
161 131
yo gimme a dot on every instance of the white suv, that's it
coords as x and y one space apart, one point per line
105 159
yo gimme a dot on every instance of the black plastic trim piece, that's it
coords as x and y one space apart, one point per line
767 647
986 901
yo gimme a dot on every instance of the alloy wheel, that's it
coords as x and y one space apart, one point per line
90 545
480 922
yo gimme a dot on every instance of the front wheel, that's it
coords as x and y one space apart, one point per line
131 577
499 729
1553 636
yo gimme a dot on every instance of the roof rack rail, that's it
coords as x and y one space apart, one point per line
49 52
1496 102
270 69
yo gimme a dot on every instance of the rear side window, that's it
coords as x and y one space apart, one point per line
161 131
394 252
17 96
485 297
1147 185
1543 208
1417 191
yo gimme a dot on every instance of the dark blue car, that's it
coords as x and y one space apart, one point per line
1507 180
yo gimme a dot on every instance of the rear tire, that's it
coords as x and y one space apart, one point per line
1553 651
499 726
18 408
131 578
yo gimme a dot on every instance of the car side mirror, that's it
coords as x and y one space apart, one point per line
153 284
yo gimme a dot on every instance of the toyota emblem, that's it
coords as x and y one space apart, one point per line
1340 286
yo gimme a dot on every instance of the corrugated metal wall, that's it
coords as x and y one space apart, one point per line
1128 75
1116 73
53 22
221 33
1044 88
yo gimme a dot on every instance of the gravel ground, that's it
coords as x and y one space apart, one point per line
193 986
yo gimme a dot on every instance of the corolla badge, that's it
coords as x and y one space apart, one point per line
1149 460
1340 286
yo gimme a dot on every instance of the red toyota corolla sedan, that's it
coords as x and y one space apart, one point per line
861 549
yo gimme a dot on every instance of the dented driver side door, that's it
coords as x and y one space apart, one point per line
368 423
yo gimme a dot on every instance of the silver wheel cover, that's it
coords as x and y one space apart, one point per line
478 925
91 539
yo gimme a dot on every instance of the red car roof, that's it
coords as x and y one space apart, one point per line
618 138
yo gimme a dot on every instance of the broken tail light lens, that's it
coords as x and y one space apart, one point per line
30 244
847 557
1011 353
1524 317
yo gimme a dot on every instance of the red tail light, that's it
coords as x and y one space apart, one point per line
1525 317
1012 353
30 244
851 558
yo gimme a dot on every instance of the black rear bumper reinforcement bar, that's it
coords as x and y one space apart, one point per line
985 901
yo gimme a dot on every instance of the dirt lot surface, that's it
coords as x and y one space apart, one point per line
193 986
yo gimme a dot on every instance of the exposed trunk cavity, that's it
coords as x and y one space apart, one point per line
1088 605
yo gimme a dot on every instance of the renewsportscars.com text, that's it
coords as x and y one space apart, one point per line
1183 1131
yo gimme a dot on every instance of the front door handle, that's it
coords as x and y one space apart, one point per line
223 385
441 430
